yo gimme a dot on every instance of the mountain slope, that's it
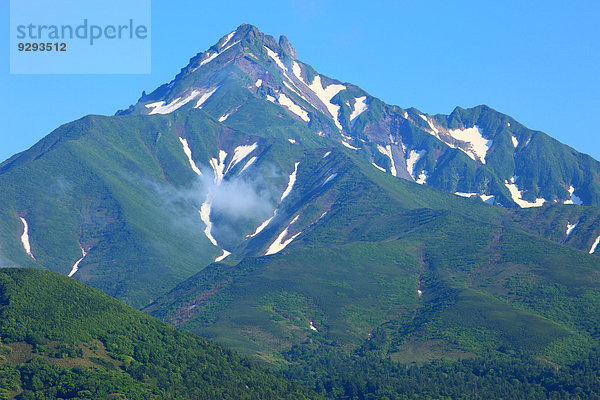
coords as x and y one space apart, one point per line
373 294
62 339
436 271
135 203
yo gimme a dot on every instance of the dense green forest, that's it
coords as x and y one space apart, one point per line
63 339
335 374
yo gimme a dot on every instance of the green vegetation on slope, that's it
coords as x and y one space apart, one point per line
63 339
398 273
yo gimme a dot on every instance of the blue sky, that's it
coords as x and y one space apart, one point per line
536 61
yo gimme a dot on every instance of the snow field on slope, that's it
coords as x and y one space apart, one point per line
188 153
517 195
281 243
161 108
25 238
360 106
412 159
75 266
387 151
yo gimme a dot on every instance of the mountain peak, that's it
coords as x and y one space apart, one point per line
247 30
287 47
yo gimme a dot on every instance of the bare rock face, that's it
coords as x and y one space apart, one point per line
287 47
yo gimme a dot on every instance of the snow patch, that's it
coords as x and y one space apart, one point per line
527 142
224 117
276 58
293 89
25 238
227 39
205 216
378 167
258 83
262 226
515 141
360 106
249 163
508 124
436 132
222 256
325 94
297 71
574 199
290 184
239 154
348 145
271 99
327 154
488 198
293 107
594 245
161 108
463 194
517 195
570 228
75 267
155 104
312 327
329 178
188 153
218 166
478 145
204 97
211 56
228 47
387 151
412 159
422 179
292 141
281 243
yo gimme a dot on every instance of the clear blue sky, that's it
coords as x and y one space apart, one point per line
537 61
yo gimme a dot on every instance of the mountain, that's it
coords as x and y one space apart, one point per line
477 152
63 339
114 201
311 226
